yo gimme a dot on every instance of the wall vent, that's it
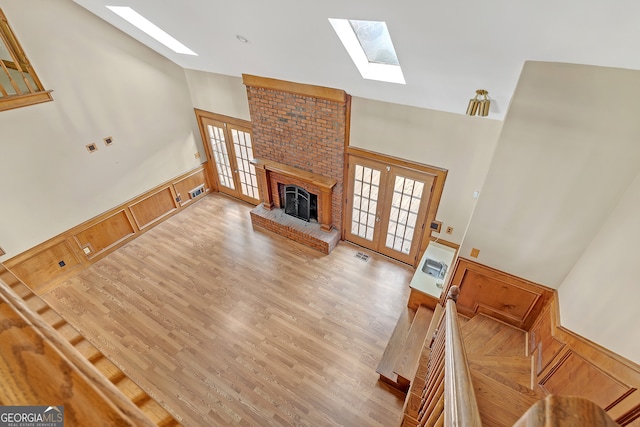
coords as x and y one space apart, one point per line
196 191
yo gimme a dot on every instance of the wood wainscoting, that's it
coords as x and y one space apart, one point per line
45 265
505 297
565 363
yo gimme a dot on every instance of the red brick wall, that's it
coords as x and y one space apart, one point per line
301 131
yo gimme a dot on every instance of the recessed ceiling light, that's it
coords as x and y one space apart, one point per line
370 47
151 29
242 38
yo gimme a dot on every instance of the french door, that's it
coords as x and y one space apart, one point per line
230 151
387 207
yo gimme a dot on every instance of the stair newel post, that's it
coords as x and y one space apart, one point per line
461 408
454 292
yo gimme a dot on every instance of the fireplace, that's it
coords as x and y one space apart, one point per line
299 137
291 197
298 202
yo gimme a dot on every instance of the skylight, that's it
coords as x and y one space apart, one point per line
370 47
151 29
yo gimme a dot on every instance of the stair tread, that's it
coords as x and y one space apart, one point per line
515 368
487 336
156 413
412 348
393 351
501 401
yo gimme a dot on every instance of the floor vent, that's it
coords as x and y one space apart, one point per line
363 257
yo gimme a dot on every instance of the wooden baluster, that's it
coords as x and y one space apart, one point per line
436 414
435 373
433 403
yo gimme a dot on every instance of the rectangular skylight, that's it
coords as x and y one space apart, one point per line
151 29
370 47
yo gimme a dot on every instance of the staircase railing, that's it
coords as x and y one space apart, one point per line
461 408
447 397
41 368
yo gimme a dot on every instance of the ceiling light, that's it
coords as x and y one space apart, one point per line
242 38
479 106
151 29
370 47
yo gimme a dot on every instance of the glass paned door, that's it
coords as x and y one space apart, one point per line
386 207
230 150
221 156
246 171
365 189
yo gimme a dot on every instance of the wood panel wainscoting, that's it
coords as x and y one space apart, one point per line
485 290
45 265
567 364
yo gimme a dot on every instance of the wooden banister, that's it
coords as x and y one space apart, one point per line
447 397
461 408
565 411
41 368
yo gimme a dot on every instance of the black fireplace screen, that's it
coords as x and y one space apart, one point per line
300 203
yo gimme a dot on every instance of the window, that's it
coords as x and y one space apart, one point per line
19 84
370 47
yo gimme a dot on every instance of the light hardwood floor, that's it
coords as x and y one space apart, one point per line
225 325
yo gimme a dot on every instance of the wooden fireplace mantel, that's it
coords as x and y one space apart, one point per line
264 167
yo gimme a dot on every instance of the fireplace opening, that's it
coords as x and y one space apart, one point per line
298 202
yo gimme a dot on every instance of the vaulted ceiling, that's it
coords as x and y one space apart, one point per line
447 49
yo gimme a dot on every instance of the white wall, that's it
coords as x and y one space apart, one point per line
463 145
567 152
599 298
218 93
104 84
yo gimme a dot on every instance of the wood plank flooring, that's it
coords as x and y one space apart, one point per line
225 325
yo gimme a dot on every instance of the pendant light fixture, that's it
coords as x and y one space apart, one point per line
478 106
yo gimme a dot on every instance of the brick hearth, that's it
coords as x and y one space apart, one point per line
307 233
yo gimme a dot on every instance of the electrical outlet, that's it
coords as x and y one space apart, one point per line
108 140
92 148
475 252
196 155
87 250
449 230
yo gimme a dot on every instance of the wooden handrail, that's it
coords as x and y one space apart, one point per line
461 408
565 411
56 373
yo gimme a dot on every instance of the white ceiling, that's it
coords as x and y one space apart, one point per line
447 48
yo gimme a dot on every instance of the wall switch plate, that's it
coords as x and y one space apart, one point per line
2 252
449 230
475 252
196 155
87 250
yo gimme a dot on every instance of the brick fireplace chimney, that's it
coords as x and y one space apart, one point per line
304 127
